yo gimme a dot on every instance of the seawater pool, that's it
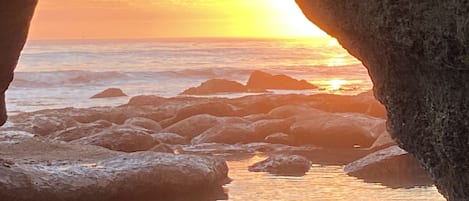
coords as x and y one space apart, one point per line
321 183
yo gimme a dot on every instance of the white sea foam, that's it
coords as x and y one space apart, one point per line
54 74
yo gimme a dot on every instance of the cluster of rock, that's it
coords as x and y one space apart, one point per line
259 82
37 169
296 130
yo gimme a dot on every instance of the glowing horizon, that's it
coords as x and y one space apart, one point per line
133 19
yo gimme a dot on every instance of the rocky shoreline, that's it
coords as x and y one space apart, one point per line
156 148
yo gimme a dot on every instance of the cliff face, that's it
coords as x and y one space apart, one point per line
15 16
417 54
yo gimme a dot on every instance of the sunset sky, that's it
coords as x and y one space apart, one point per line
97 19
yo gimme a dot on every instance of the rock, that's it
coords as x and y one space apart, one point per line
13 136
363 103
214 86
169 138
45 171
256 117
416 53
263 128
146 100
120 138
3 109
193 126
264 103
286 111
81 130
279 138
287 165
392 166
262 80
163 148
45 125
215 149
384 140
212 108
15 19
144 123
331 131
110 93
227 134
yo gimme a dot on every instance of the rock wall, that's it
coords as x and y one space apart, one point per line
15 17
417 54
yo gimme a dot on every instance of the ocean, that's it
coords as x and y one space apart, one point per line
58 74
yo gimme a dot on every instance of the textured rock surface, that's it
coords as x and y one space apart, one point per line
144 123
121 138
292 165
392 167
417 54
15 18
44 171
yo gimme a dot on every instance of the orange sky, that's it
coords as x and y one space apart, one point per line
85 19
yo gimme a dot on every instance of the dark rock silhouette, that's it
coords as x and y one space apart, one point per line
110 93
15 19
261 80
417 54
214 86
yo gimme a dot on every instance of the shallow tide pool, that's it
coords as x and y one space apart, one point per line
328 183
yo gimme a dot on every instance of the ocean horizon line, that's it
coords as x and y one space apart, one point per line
180 38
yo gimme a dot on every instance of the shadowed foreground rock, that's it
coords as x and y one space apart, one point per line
42 171
417 54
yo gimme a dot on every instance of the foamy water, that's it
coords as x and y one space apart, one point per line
57 74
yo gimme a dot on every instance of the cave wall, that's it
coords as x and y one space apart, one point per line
417 55
15 17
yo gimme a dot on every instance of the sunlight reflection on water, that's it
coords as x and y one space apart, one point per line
321 183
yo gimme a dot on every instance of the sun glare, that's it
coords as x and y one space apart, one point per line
336 61
172 18
290 20
336 84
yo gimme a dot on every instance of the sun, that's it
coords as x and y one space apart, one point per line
290 20
336 84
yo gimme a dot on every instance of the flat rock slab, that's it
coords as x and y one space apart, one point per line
288 165
28 171
392 166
